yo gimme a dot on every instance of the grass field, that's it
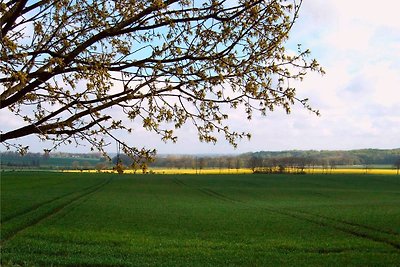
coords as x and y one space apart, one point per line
83 219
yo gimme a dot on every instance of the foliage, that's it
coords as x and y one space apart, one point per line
66 65
119 168
208 220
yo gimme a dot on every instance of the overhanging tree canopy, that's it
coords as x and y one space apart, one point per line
65 64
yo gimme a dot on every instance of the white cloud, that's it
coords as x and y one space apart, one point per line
358 44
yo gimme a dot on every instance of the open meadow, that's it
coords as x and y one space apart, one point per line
103 219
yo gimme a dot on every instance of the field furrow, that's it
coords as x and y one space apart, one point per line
353 224
33 216
41 204
355 229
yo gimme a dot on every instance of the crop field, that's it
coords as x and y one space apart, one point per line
386 171
102 219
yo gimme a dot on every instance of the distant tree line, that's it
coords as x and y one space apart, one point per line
295 161
199 162
12 160
340 157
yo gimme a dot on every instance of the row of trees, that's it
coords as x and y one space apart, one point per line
293 164
341 157
278 162
11 159
265 162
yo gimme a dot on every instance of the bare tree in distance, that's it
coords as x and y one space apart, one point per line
66 64
397 165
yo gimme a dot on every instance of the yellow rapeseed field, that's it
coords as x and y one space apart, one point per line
174 171
247 171
354 171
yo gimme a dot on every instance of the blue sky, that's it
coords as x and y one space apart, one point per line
358 44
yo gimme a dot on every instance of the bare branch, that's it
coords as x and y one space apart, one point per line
63 65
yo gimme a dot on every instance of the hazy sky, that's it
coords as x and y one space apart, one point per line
358 44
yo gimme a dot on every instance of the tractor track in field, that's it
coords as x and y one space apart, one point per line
5 219
178 182
353 229
51 212
324 222
206 191
214 194
39 205
366 227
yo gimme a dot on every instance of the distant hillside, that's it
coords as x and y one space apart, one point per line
11 160
342 157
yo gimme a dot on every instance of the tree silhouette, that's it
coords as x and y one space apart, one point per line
397 165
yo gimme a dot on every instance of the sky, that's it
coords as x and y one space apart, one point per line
358 45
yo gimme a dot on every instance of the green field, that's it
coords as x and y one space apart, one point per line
78 219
